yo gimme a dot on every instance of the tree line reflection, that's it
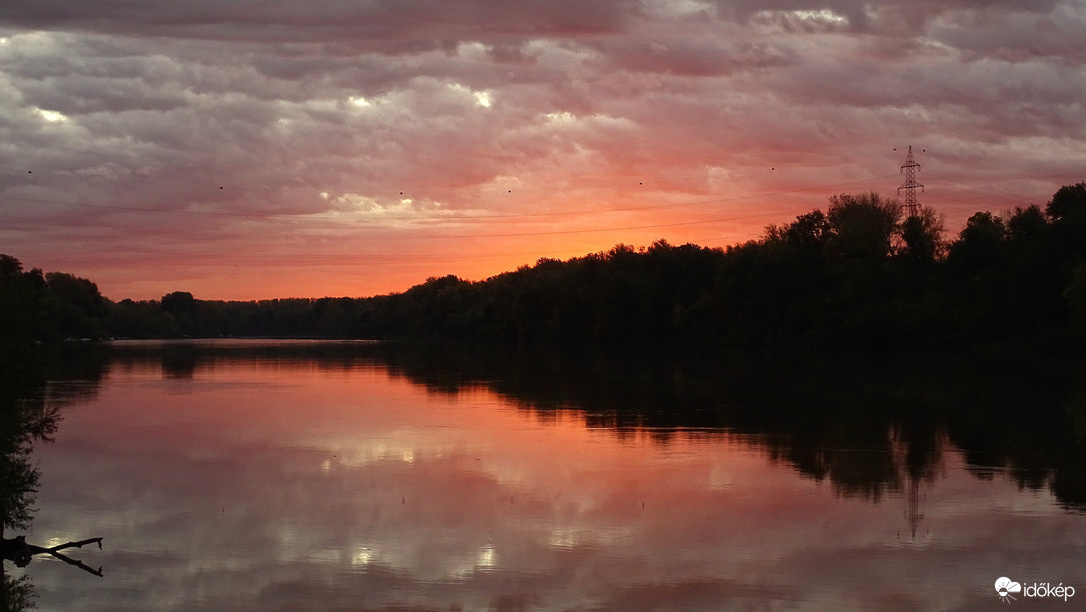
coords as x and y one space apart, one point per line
869 426
866 424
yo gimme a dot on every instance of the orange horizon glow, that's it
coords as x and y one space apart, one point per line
470 249
242 155
470 246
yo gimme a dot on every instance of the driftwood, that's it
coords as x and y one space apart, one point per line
18 551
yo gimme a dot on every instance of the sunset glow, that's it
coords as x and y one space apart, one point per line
337 148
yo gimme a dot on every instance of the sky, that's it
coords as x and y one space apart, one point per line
251 149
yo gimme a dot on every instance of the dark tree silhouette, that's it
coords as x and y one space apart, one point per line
1068 203
862 226
859 274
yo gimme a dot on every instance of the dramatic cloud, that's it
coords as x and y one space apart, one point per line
244 149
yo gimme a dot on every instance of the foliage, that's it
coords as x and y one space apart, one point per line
22 422
17 594
1068 203
862 226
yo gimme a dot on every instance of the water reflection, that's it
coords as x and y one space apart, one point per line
29 414
866 425
21 422
309 475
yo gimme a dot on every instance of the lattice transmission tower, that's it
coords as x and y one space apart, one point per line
909 169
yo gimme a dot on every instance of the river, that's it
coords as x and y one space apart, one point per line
309 475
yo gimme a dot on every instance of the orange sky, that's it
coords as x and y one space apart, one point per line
355 149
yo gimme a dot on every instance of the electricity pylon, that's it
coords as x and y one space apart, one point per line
909 169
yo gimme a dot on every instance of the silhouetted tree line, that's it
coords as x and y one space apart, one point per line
861 273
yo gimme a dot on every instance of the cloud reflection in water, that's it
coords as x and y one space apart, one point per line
272 488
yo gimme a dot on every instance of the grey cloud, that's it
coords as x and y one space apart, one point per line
1016 98
792 23
220 121
1017 36
77 95
391 26
893 17
744 10
690 58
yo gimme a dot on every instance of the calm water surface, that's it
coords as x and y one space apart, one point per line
276 476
